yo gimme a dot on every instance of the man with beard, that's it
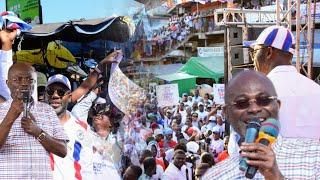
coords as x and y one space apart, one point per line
26 139
251 95
78 163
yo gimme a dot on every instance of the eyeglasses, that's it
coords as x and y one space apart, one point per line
60 92
253 52
260 101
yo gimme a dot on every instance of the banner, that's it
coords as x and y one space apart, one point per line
210 51
167 95
124 93
28 10
218 93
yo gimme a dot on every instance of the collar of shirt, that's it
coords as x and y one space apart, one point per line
282 68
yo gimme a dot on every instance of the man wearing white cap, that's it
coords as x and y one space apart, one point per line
78 163
272 55
201 112
217 144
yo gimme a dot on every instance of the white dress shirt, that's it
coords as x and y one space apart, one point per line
300 101
173 173
157 176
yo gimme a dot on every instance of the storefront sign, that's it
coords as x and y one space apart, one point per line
210 51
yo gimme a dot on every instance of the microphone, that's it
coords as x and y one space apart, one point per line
268 134
26 99
251 134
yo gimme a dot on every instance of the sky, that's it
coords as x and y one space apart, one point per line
65 10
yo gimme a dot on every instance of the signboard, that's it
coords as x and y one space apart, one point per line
167 95
124 93
28 10
218 93
210 51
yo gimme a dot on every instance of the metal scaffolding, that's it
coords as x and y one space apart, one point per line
304 26
245 18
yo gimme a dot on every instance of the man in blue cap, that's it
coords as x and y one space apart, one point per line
272 55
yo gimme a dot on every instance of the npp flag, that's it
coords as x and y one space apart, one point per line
9 20
124 93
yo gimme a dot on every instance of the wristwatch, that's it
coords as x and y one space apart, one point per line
41 136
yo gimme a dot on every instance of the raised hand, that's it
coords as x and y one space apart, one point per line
113 57
7 35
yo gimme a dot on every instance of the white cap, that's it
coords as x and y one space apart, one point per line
157 132
192 147
212 118
216 129
59 78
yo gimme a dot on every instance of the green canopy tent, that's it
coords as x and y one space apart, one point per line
185 81
205 67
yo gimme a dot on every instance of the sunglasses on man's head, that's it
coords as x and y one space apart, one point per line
60 92
260 101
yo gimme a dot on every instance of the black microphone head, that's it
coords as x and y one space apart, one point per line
271 127
26 96
254 123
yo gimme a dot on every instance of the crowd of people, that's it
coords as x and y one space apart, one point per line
177 30
195 127
44 138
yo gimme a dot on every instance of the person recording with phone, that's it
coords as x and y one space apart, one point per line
252 110
29 130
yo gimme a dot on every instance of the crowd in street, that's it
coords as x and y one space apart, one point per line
177 30
196 126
